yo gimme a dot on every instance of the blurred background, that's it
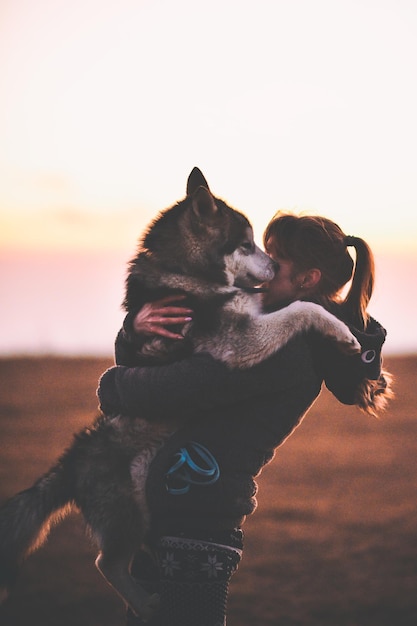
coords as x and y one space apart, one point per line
107 105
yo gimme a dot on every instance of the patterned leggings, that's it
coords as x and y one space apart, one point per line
192 577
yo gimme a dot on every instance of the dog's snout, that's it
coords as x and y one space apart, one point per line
271 267
275 266
271 273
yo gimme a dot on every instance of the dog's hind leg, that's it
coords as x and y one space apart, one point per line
118 529
115 567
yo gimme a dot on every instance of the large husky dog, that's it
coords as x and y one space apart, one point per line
205 249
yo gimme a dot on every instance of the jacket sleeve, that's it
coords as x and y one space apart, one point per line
192 385
127 343
345 375
158 391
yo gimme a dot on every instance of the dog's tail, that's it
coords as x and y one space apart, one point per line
25 521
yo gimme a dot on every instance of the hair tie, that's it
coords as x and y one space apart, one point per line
350 240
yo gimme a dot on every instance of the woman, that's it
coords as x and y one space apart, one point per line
202 483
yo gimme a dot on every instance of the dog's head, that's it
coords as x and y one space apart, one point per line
204 237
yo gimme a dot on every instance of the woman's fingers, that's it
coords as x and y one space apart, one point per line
164 332
153 317
170 321
171 311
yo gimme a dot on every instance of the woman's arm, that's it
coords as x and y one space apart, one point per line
160 390
196 384
200 383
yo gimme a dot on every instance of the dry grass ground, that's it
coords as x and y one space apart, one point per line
333 542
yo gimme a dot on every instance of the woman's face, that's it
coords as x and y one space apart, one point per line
285 286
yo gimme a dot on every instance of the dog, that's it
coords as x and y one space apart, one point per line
203 248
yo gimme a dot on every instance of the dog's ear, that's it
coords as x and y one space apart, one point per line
196 180
203 203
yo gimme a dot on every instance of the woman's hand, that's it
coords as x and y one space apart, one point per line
153 317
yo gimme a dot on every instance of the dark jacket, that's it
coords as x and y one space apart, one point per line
240 416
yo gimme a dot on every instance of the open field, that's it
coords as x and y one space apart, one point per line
333 542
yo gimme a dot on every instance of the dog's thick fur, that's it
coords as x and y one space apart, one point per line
202 248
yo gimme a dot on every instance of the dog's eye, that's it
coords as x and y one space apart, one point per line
247 245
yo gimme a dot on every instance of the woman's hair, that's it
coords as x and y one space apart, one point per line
312 241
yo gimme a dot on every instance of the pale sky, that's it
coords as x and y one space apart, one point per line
106 106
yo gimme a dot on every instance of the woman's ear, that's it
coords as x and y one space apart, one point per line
311 278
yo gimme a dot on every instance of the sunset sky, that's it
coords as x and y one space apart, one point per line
106 106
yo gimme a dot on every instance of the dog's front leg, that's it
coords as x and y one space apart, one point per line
303 316
267 333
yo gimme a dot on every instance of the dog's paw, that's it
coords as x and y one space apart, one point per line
352 346
315 316
346 342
